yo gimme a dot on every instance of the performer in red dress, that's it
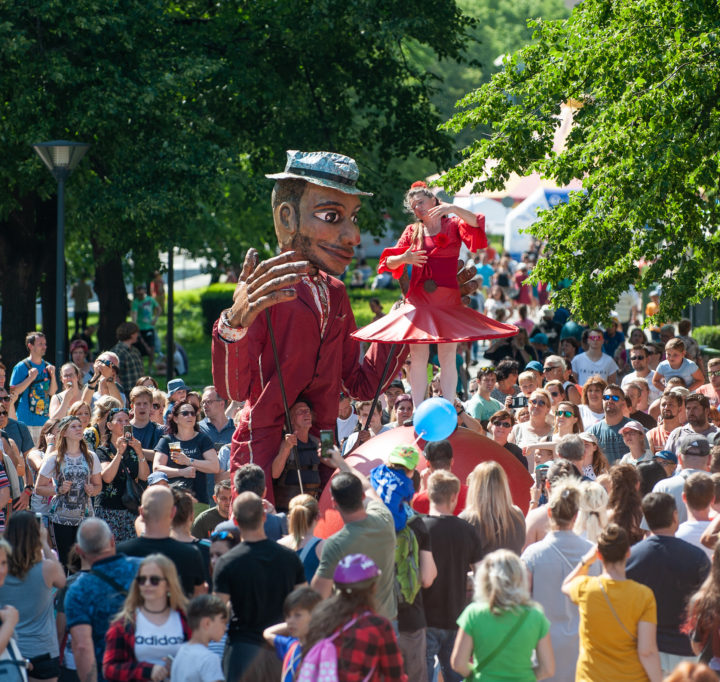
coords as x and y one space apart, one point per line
315 206
433 311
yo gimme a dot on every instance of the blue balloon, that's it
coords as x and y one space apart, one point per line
435 419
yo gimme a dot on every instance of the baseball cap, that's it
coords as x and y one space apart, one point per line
405 455
157 477
397 384
694 445
667 455
539 338
588 437
535 365
632 425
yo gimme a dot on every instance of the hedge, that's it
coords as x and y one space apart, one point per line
215 299
707 336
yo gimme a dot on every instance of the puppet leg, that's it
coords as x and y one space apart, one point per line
419 354
448 370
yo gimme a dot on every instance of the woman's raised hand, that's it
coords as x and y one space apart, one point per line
411 257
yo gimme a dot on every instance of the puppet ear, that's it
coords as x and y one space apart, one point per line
287 222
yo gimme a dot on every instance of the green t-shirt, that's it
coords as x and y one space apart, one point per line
145 311
488 631
483 409
374 536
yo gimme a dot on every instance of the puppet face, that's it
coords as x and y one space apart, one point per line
325 232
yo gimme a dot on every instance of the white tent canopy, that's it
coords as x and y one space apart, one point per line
494 212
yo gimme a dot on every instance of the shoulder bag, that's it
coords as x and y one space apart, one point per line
485 662
614 612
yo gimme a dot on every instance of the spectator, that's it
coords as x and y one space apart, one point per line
367 530
71 393
594 362
693 457
668 460
591 409
14 429
677 365
159 405
181 524
33 573
48 434
633 435
673 569
207 617
641 370
506 374
537 429
92 600
156 511
495 302
82 411
650 473
698 495
9 616
177 392
702 619
71 476
402 410
607 430
79 352
567 420
499 524
97 432
195 458
548 563
362 434
499 428
439 456
556 368
392 393
145 430
624 505
217 427
148 632
364 640
205 522
302 518
456 549
255 577
618 620
556 391
696 409
33 380
104 381
482 406
488 626
131 366
145 312
671 404
592 515
121 458
347 418
637 392
595 463
712 389
251 478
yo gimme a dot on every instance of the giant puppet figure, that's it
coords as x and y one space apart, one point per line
315 205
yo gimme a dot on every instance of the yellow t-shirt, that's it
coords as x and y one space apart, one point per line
607 652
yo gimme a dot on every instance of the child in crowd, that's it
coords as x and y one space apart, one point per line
207 617
288 637
394 482
677 365
528 382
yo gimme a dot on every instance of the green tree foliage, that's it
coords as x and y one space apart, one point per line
645 142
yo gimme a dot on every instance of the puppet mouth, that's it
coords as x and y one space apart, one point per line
340 253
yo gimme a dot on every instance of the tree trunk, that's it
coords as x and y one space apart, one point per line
27 241
110 290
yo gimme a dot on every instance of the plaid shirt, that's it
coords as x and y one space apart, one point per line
369 644
119 662
131 365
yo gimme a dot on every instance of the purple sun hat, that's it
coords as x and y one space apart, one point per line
354 569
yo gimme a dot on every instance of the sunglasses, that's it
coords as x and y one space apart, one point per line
594 337
551 368
154 580
554 394
107 363
637 357
156 406
207 402
221 535
614 398
487 370
537 401
564 413
6 398
187 413
3 413
504 425
714 373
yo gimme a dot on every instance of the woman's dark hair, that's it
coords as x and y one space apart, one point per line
704 608
172 417
625 503
23 534
184 507
505 368
650 473
48 426
613 544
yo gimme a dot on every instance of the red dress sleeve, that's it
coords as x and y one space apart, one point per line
473 237
401 247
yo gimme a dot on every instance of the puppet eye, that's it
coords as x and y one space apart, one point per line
328 216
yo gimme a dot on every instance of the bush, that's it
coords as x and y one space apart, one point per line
707 336
215 299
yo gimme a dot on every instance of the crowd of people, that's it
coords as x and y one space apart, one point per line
131 551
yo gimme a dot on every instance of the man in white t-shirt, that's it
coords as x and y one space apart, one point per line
698 495
639 361
594 361
347 418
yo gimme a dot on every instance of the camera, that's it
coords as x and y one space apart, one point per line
519 401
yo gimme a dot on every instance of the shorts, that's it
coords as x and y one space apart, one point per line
44 667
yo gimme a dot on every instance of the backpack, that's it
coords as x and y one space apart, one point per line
407 566
320 663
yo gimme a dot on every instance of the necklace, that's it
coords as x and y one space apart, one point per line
162 610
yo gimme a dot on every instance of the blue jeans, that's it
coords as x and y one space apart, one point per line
440 643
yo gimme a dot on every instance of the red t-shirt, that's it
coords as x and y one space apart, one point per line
421 501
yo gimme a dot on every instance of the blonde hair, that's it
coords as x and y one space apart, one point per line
177 600
303 512
103 405
501 582
442 485
564 502
592 518
489 506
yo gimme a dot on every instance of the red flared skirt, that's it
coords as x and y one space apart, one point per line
437 317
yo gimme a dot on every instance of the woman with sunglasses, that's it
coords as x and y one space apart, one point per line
71 476
591 409
148 632
556 391
537 429
567 420
158 407
499 427
187 468
120 456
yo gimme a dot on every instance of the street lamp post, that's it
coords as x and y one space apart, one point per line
61 157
